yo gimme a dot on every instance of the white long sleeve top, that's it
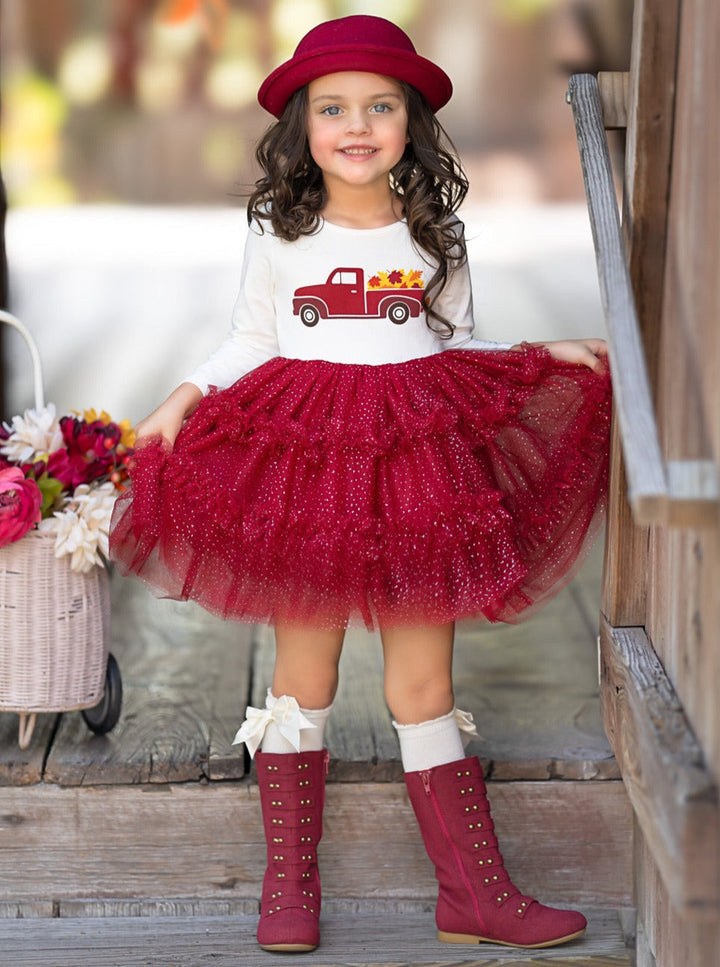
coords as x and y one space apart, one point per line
341 295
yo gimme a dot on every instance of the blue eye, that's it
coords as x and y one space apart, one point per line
381 108
332 110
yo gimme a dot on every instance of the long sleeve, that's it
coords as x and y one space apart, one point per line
253 338
455 303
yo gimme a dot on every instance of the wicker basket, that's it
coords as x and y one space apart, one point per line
54 628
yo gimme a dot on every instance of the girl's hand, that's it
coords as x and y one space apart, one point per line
589 352
168 418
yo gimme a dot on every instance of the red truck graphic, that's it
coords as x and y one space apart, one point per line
394 295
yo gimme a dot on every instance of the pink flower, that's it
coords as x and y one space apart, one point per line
20 501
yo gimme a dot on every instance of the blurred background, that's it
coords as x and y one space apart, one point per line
128 132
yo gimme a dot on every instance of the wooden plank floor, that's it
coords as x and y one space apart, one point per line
391 941
532 689
81 846
187 678
162 815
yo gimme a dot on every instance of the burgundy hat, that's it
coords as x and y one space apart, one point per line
358 43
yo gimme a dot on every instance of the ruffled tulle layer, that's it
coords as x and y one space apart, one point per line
462 484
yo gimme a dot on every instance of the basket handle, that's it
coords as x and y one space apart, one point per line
35 355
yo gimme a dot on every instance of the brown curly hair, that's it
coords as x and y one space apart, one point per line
428 180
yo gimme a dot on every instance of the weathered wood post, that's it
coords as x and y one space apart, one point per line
661 607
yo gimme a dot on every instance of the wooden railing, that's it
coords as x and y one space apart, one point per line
677 492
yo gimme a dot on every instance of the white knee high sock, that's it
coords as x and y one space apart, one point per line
434 743
311 739
283 727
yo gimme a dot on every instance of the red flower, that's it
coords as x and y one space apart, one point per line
92 451
20 501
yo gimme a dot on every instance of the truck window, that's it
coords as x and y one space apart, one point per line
344 278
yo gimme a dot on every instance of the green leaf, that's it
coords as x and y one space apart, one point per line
50 488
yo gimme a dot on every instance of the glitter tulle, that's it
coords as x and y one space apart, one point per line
461 484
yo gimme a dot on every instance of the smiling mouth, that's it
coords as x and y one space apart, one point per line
358 152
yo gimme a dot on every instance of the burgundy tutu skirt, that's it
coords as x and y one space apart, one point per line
458 485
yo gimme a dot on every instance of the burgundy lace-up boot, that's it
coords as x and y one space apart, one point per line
292 795
477 903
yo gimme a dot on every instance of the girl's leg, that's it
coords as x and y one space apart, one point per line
418 672
306 664
306 672
477 900
418 689
291 777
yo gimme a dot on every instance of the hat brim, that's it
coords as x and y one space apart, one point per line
432 82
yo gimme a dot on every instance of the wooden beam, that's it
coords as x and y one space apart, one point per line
631 389
205 842
673 795
648 167
625 570
614 89
694 487
649 160
649 492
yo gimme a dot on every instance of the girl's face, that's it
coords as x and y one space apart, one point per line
357 128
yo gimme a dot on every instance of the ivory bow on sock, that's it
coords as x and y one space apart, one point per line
285 713
466 724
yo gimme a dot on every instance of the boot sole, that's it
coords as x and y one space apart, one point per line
469 938
289 948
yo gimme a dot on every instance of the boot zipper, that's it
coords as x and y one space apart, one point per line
425 776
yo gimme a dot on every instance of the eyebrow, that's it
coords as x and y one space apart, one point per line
341 97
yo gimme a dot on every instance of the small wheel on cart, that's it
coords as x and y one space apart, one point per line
103 717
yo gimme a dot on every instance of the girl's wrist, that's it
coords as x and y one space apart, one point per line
187 395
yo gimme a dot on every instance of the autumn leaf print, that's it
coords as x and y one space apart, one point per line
414 279
397 279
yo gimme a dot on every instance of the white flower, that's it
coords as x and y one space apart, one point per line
75 538
83 526
36 432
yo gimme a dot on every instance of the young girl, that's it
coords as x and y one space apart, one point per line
351 453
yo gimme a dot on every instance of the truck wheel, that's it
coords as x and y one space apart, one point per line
309 315
398 313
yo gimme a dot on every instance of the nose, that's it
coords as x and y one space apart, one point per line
357 122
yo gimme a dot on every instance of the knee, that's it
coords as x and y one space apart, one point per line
314 691
413 700
306 664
